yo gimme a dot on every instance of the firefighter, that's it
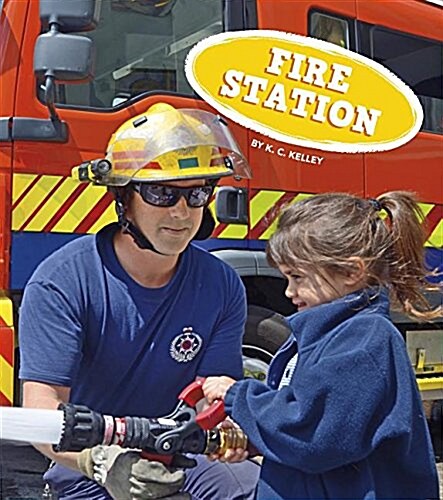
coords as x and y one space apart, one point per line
121 321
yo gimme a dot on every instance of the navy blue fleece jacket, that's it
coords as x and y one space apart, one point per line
350 424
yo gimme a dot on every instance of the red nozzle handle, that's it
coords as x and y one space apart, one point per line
192 394
213 415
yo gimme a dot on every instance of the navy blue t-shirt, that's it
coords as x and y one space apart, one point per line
122 348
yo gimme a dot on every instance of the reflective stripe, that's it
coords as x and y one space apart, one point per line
261 203
436 237
105 218
6 378
6 316
32 196
434 222
79 208
52 206
21 185
51 203
272 227
59 204
6 352
426 208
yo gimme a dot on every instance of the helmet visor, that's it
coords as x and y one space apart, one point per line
175 144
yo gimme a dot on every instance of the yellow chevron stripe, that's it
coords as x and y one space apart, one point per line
107 217
52 206
32 199
235 232
80 208
302 196
436 237
6 379
261 204
20 184
6 311
6 370
212 209
272 227
426 207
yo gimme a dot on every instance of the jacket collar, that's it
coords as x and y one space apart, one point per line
311 325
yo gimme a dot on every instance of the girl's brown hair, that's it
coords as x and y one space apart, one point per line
326 231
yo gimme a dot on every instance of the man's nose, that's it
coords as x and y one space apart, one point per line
180 210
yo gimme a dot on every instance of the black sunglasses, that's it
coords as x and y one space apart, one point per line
160 195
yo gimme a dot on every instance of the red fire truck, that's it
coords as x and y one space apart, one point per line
56 112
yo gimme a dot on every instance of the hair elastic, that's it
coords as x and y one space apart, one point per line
375 204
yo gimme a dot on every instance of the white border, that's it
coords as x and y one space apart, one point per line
435 2
330 48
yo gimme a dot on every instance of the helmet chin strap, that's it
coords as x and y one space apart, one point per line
129 228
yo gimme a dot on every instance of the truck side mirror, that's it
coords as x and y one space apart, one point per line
70 16
59 56
63 57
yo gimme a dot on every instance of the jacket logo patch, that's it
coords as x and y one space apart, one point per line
185 346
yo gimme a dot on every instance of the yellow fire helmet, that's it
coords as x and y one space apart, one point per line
168 144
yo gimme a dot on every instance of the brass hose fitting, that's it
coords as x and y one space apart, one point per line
221 439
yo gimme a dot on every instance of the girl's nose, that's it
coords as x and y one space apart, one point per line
289 292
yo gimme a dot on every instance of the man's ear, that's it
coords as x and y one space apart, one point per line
356 271
123 193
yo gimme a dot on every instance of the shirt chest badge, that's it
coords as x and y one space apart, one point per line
186 345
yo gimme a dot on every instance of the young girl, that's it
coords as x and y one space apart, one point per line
341 416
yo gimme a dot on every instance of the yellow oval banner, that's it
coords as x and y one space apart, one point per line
304 91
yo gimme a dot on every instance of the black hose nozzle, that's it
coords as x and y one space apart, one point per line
82 428
85 428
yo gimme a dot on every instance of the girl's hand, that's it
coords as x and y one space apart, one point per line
232 455
216 387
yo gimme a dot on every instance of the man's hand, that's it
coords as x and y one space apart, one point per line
216 387
128 476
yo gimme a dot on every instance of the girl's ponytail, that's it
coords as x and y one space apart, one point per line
407 272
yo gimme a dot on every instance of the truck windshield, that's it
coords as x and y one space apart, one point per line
141 46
